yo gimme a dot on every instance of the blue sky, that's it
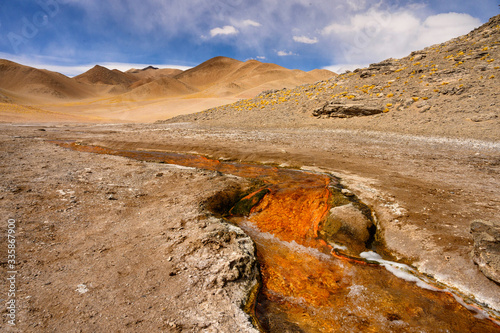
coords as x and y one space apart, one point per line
71 36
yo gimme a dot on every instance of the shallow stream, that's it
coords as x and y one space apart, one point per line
320 280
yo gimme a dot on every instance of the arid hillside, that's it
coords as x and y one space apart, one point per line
450 89
102 75
146 94
151 72
222 76
27 85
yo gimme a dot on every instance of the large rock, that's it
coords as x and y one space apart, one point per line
385 67
345 110
350 219
486 251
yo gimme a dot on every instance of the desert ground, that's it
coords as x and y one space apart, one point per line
111 243
108 222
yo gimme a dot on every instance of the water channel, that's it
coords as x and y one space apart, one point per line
315 278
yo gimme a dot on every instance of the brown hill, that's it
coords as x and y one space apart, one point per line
321 74
159 88
221 76
4 98
102 75
153 72
450 89
39 83
217 81
210 72
14 113
217 77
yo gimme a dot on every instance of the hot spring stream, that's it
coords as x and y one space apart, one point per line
314 277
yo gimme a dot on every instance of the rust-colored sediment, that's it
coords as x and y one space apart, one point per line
304 284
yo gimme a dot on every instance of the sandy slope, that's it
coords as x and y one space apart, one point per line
153 72
147 94
223 76
102 75
209 72
39 84
159 88
13 113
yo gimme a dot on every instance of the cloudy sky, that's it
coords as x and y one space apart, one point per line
70 36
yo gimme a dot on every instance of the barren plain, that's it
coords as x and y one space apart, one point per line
111 243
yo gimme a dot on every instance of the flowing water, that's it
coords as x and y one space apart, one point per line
311 284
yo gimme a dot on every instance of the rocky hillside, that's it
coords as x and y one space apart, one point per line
450 89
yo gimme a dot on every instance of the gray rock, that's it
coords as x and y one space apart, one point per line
352 220
419 57
408 102
347 192
345 110
386 66
422 104
483 117
486 251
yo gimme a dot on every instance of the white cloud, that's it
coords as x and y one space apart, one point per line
284 53
442 27
256 58
342 68
225 30
357 4
370 21
350 32
379 34
250 23
305 40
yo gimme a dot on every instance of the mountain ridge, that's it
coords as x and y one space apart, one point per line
224 76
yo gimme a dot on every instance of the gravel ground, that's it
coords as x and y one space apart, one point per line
108 244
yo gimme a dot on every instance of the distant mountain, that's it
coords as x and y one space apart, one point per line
102 75
149 67
222 76
210 72
159 88
217 77
39 83
153 72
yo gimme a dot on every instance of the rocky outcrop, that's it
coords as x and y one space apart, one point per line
385 67
351 220
339 110
486 251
